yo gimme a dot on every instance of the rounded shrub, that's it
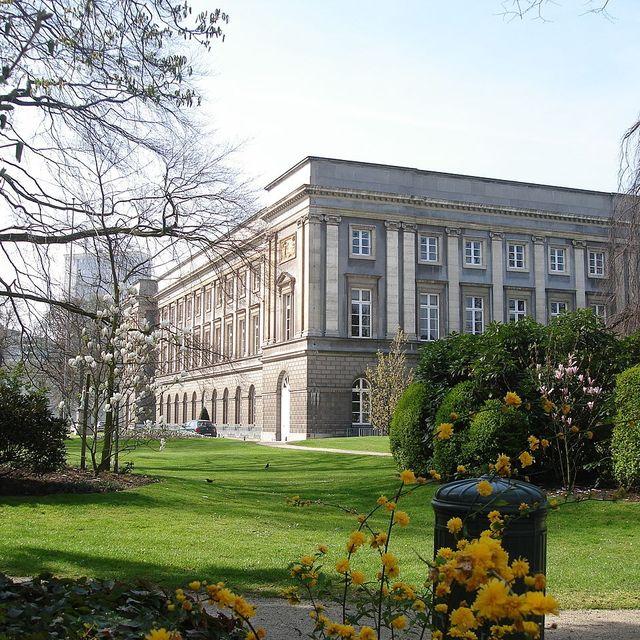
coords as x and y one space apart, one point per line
495 429
457 406
625 441
408 436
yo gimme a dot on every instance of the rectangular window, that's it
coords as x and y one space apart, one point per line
180 310
600 310
255 279
196 348
473 253
198 308
207 299
255 334
557 308
429 316
516 256
228 289
218 294
206 346
474 314
242 337
361 313
361 242
286 316
596 264
242 285
517 309
188 307
557 260
217 343
428 247
228 340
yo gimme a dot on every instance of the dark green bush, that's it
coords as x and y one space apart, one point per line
495 429
625 442
204 414
408 436
31 437
505 354
460 401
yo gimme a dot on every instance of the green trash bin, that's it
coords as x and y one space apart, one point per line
525 537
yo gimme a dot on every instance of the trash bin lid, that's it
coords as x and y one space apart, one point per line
507 493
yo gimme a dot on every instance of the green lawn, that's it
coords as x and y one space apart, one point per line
238 528
364 443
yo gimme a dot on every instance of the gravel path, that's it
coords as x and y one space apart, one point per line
284 622
353 452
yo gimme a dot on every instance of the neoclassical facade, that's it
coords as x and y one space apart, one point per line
277 339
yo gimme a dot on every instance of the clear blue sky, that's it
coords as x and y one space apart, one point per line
446 85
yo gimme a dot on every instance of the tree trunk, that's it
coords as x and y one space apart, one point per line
85 417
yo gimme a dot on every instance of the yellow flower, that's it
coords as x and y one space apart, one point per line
162 634
492 600
180 597
566 409
461 468
357 577
454 525
400 622
243 608
171 606
390 506
361 518
419 606
402 518
463 619
408 477
445 552
441 608
444 431
539 604
378 540
503 465
590 435
544 442
454 416
322 548
382 500
434 474
547 405
523 506
534 443
307 560
367 633
436 635
526 459
195 585
484 488
342 566
494 516
187 606
512 399
388 560
520 568
356 540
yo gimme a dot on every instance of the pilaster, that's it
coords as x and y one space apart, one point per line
314 293
392 279
453 272
298 293
497 274
579 247
540 277
409 279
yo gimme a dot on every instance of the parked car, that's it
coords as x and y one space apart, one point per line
202 427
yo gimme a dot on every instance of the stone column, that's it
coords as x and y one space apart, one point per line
619 265
247 304
497 274
314 293
332 310
299 289
273 294
453 272
393 279
409 279
579 247
263 298
540 277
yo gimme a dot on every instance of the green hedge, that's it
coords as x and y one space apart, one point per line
408 437
461 401
625 442
495 429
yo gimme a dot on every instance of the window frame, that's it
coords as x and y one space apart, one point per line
481 242
473 309
517 313
525 256
603 253
428 307
371 229
361 396
556 272
360 315
430 236
553 315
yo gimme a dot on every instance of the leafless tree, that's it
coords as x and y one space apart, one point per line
539 9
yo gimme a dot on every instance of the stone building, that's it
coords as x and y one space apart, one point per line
346 253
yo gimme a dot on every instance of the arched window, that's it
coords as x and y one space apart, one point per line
176 409
360 402
238 401
225 407
168 416
161 405
252 405
203 399
214 406
184 408
194 405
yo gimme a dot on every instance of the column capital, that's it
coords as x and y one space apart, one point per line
409 227
538 239
331 219
392 225
496 235
579 244
453 231
316 218
301 221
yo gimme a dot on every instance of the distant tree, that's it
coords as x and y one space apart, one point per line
389 378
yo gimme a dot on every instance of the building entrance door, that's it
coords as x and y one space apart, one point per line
285 409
